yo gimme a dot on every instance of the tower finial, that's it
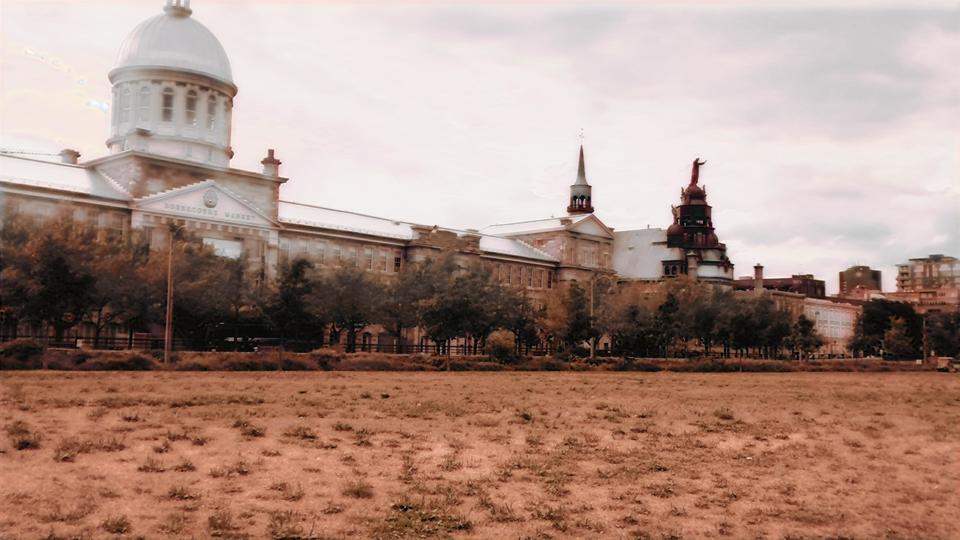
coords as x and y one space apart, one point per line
177 8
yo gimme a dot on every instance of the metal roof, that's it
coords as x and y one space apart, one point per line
58 176
539 225
175 41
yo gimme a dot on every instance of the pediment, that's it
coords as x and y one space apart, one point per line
205 201
591 225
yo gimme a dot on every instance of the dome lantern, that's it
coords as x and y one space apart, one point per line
178 8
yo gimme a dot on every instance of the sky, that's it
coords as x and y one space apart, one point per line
831 130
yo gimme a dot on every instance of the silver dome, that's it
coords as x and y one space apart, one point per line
175 41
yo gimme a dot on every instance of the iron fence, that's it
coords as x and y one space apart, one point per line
150 342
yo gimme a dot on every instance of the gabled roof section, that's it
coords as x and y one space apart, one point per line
58 176
513 247
591 224
205 200
583 223
341 220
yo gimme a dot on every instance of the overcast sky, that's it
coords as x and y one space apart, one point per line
831 131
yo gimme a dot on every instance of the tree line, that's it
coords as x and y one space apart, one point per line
58 276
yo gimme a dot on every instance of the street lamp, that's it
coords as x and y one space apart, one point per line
168 321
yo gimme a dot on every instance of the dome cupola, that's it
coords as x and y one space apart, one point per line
174 40
173 90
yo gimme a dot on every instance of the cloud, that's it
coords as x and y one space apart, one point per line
830 132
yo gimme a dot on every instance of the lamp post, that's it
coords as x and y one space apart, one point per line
593 281
168 320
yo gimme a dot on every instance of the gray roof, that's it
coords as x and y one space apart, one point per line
535 226
341 220
58 176
513 248
175 41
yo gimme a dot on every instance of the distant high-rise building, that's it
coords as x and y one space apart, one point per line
860 277
931 284
930 272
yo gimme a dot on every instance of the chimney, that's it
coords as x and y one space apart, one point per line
271 165
69 155
758 278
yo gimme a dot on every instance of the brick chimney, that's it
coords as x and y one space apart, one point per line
758 278
271 165
69 155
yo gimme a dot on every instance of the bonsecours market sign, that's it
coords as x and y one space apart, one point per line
208 212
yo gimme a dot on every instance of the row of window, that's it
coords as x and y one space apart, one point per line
331 254
127 108
519 276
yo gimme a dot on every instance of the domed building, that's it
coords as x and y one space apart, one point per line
168 169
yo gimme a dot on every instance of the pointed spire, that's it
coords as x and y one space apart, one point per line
580 191
581 171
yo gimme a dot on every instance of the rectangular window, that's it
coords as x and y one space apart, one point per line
529 277
231 249
396 262
549 279
319 247
368 258
143 104
354 257
211 112
191 108
383 261
167 106
337 255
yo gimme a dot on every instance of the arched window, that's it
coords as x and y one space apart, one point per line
211 112
143 104
113 109
167 105
192 108
124 105
226 117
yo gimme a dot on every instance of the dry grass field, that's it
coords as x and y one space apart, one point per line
479 455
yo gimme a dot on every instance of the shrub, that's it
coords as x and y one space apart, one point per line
22 437
116 524
249 362
630 364
502 346
21 354
544 364
326 358
119 361
358 489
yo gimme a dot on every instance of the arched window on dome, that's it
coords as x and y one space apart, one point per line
192 108
143 104
124 105
226 117
211 112
167 109
114 117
